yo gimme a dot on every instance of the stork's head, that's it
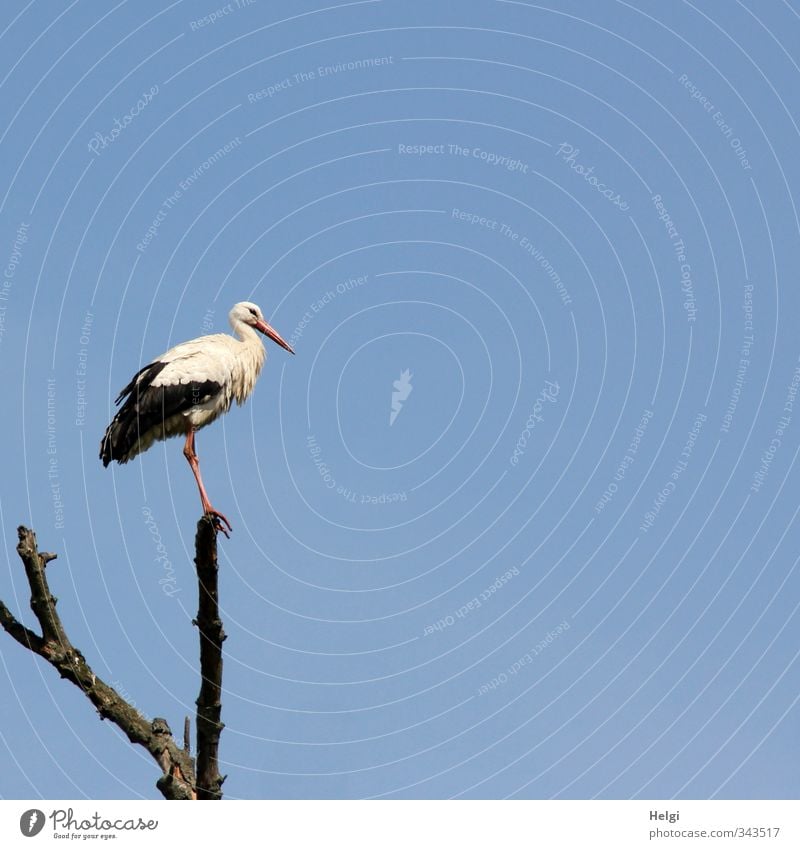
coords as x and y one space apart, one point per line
250 314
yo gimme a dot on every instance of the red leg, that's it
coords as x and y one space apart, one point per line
191 456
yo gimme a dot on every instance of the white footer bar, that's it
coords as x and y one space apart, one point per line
404 824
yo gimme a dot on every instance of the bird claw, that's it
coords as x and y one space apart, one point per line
217 519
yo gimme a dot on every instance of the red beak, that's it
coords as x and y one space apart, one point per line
273 334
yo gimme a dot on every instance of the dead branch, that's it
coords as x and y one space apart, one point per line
178 779
209 701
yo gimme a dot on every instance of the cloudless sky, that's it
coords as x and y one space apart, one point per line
567 565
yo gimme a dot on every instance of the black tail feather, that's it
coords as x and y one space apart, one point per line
143 409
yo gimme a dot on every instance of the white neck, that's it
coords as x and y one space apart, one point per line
249 362
246 333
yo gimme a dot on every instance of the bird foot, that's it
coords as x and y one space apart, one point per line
217 520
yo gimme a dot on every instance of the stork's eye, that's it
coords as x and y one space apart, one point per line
253 313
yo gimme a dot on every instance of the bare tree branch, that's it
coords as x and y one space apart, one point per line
178 779
209 701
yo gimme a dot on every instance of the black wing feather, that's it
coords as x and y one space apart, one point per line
146 408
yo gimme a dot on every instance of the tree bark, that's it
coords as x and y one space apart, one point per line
179 780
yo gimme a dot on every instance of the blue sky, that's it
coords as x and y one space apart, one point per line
566 239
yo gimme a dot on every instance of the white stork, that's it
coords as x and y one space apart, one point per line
187 388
